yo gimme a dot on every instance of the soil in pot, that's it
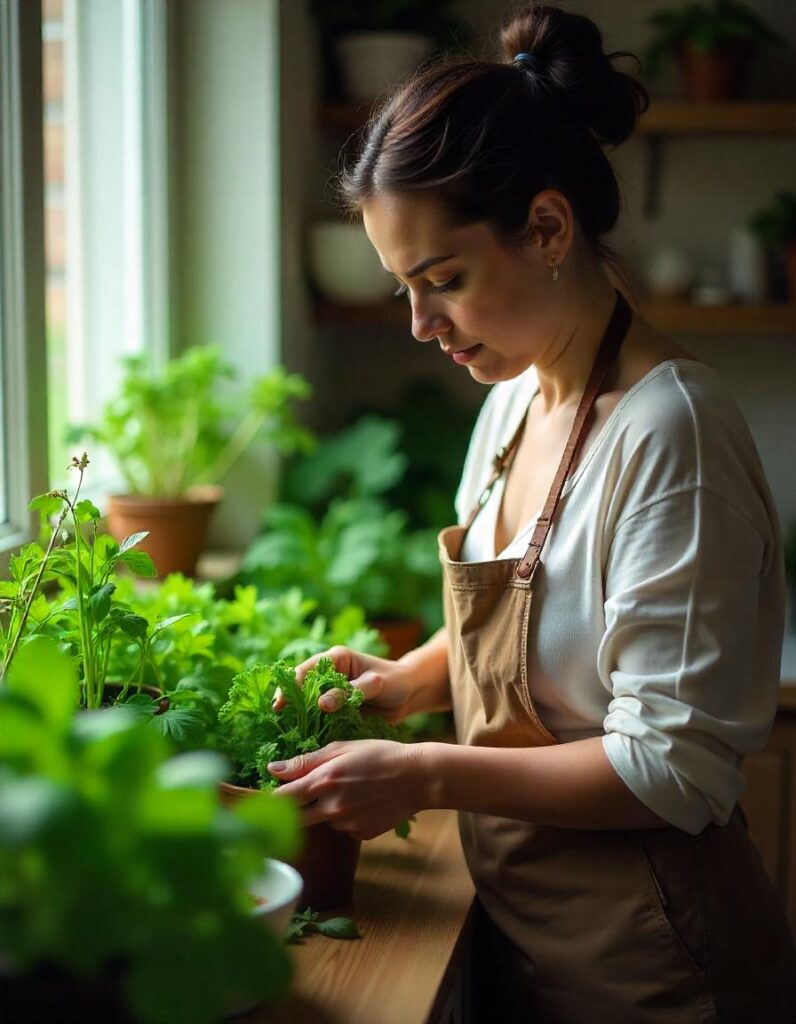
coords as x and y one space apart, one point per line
718 75
327 863
177 526
400 635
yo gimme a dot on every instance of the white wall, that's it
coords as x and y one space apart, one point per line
226 229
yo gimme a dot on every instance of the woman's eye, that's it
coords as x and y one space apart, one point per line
448 286
437 289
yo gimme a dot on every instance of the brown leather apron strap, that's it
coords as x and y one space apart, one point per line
606 356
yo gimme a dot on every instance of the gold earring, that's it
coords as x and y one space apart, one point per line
552 263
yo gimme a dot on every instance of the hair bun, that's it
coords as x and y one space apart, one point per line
571 67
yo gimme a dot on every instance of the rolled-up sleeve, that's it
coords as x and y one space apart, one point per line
682 581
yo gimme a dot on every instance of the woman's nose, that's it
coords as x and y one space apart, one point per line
428 325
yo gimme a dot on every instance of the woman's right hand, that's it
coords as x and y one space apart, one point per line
387 685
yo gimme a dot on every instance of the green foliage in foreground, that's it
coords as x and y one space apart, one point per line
115 855
253 734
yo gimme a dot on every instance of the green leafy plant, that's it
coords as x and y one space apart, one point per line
253 734
209 640
360 553
706 26
776 223
86 619
175 430
306 923
119 867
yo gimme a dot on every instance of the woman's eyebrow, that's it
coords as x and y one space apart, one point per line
424 265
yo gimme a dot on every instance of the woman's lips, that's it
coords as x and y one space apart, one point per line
465 354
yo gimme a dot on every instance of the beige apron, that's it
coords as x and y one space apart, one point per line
639 926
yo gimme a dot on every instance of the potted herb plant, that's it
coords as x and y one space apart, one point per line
124 884
379 42
253 734
85 617
775 226
174 437
713 43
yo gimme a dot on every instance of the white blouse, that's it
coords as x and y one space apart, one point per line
658 607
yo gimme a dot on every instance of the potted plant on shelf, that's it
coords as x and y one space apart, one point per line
775 226
174 437
713 43
379 42
253 734
124 883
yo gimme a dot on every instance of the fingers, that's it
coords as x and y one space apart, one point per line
371 684
340 656
303 764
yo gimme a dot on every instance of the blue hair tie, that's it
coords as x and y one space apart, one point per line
529 61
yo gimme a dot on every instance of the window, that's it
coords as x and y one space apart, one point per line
22 371
106 209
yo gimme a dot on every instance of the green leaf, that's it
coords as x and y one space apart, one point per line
402 829
43 675
133 625
339 928
47 504
139 562
100 601
86 510
132 540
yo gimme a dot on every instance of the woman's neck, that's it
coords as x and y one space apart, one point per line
587 302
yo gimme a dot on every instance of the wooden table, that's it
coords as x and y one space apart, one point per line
412 900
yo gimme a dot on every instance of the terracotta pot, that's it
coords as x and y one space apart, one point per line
112 690
790 265
177 526
327 862
718 75
400 635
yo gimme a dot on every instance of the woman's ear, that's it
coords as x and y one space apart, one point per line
551 224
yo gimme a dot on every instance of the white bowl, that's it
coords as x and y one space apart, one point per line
279 888
345 266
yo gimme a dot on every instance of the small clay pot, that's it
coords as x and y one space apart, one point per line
113 690
177 526
400 635
718 75
327 862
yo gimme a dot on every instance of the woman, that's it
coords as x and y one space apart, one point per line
613 593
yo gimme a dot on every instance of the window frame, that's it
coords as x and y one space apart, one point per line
24 369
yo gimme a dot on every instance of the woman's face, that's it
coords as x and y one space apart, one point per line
489 307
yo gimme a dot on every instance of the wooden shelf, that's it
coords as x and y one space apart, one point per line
732 319
666 316
665 117
738 118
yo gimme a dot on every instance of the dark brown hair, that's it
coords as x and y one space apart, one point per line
487 136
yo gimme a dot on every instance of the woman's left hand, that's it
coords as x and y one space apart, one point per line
361 787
